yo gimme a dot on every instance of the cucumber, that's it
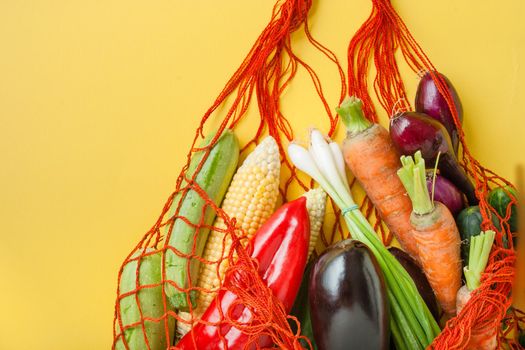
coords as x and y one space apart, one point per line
469 225
214 178
499 199
150 300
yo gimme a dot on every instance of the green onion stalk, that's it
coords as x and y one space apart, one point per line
412 325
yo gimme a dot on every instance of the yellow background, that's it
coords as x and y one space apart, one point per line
99 101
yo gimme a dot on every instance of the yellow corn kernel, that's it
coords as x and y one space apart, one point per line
316 206
251 200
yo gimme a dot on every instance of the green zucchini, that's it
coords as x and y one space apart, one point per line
469 225
500 199
151 304
214 178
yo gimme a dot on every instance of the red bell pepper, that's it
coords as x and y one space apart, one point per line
280 247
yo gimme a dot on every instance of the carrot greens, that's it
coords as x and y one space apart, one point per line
351 112
413 177
480 247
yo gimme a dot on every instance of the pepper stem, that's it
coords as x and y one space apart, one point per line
412 175
351 111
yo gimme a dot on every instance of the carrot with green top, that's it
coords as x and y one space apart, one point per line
374 161
485 338
435 232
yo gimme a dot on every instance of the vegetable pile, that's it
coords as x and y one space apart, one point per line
245 266
356 291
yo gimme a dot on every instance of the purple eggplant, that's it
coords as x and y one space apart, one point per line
419 278
412 131
348 300
432 103
446 193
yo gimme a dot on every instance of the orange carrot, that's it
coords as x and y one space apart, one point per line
435 233
438 242
486 337
374 161
482 339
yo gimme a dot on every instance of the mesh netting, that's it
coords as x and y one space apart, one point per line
269 67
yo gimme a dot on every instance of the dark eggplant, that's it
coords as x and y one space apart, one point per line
419 278
412 131
348 300
432 103
445 192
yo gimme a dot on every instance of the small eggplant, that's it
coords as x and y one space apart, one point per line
348 300
419 278
432 103
412 131
446 193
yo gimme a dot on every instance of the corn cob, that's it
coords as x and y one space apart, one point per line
316 205
251 199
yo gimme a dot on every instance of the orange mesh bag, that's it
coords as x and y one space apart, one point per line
157 283
377 40
145 316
